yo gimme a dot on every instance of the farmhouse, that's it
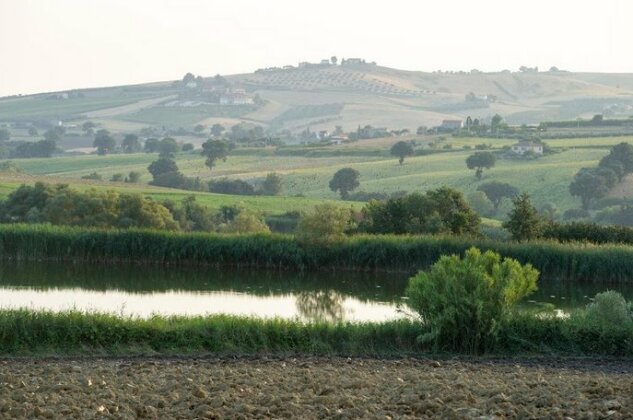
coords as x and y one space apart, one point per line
527 146
451 125
235 97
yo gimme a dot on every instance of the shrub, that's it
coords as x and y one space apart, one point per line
94 176
227 186
117 178
246 222
609 310
325 223
524 222
463 302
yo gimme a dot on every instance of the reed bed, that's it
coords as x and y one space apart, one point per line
575 261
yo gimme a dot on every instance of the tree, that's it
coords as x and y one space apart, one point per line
33 131
104 142
325 223
188 78
151 145
588 185
344 181
437 211
421 130
497 191
53 135
401 150
88 128
334 60
480 161
162 166
199 128
272 185
619 155
167 147
131 144
5 134
133 177
496 122
217 130
42 148
214 150
523 221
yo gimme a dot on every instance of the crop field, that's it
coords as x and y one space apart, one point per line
546 179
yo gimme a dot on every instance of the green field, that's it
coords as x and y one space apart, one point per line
546 179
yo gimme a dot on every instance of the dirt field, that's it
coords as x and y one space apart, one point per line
314 388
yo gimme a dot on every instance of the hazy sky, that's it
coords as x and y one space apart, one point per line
50 45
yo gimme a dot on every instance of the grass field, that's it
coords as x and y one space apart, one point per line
546 179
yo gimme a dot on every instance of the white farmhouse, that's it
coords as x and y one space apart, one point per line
527 146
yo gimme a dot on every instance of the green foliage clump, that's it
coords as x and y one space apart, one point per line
609 310
464 302
524 222
273 184
246 222
344 181
437 211
93 176
326 223
480 161
401 150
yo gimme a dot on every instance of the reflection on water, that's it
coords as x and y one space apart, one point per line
146 290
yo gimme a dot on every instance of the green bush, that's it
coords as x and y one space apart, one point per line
326 223
609 310
464 302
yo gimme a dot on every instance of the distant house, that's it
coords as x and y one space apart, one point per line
337 140
236 97
353 61
451 125
323 134
527 146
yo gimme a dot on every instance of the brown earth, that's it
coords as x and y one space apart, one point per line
315 388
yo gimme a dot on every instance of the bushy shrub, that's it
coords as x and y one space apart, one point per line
246 222
463 302
227 186
93 176
323 224
588 232
609 310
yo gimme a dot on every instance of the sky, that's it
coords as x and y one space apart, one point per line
63 44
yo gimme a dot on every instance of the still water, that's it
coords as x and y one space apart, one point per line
145 291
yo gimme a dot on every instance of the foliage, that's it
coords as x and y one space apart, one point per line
588 185
93 176
151 145
401 150
227 186
326 223
61 205
463 302
131 144
609 310
618 215
175 179
162 166
480 203
104 142
214 150
43 148
273 184
497 191
167 148
437 211
344 181
133 177
523 221
5 135
480 161
580 262
246 222
118 177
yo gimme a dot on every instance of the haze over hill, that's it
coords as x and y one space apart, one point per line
324 95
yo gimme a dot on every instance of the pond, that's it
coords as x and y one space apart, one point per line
147 290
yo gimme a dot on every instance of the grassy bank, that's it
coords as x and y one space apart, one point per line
25 332
581 262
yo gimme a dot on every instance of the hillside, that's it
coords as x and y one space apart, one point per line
323 96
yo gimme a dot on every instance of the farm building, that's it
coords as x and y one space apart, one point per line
236 97
450 125
527 146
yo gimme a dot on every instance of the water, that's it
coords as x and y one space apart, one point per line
145 291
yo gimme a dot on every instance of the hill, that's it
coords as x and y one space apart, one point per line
321 96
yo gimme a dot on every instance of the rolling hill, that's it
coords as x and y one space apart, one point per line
323 96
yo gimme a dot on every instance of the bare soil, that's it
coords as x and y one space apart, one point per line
315 388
